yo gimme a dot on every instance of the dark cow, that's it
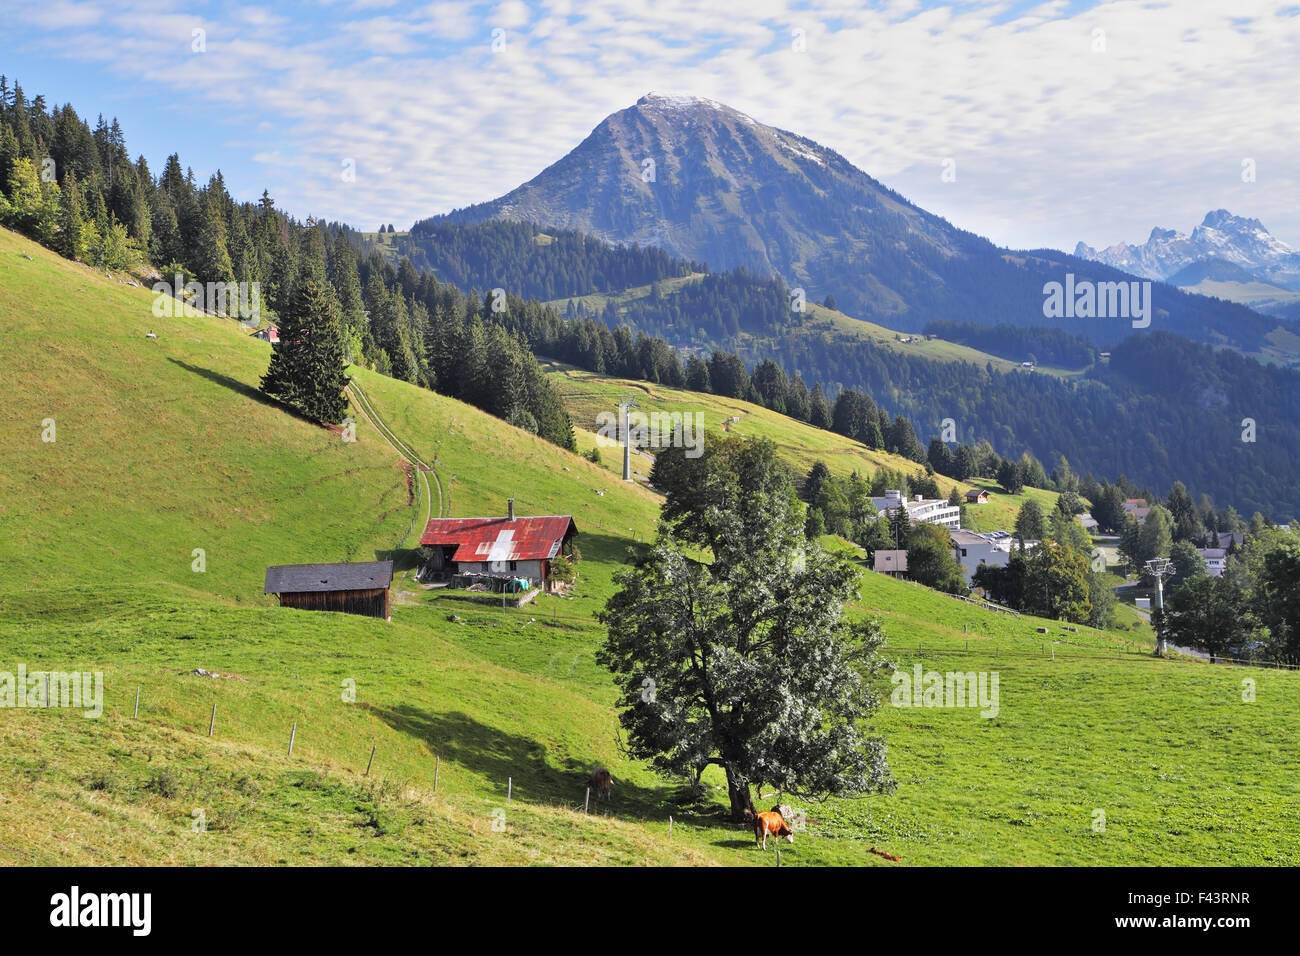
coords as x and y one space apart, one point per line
601 783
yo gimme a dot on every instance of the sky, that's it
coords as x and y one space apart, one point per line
1055 122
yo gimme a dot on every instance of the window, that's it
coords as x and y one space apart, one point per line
514 565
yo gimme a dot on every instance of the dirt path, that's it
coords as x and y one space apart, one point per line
422 470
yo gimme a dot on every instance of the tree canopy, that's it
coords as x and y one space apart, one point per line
741 657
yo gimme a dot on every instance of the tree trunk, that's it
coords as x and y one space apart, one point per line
738 794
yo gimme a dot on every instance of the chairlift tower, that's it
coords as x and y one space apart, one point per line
623 407
1160 568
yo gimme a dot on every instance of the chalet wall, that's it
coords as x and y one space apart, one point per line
371 603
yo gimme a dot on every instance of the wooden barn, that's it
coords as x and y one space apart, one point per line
503 548
359 587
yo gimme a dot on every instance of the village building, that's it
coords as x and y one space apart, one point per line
921 510
268 334
1216 560
496 550
972 549
891 562
359 587
977 496
1138 508
1228 538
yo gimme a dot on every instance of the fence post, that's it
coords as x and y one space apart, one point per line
436 761
510 786
778 856
587 801
212 721
293 732
670 825
369 762
137 702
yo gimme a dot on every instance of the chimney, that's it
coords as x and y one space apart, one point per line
510 508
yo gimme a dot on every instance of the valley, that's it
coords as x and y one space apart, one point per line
165 446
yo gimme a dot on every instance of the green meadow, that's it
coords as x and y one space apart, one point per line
485 722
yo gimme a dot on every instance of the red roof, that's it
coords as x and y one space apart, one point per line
500 539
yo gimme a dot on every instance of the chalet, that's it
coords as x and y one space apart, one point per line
269 334
359 587
1216 560
498 549
977 496
1139 508
1228 538
893 563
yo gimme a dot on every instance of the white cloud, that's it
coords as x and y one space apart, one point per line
1053 140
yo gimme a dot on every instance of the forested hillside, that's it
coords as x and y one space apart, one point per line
76 190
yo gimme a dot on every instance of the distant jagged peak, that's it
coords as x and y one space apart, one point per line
1222 218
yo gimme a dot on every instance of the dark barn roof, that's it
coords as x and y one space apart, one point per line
346 576
501 539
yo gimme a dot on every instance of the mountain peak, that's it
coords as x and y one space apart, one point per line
1221 236
678 101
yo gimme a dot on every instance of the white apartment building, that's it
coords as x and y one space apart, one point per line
921 510
972 549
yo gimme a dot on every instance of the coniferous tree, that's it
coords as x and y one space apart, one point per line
209 256
819 411
307 367
72 239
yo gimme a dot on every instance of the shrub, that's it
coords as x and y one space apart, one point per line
165 782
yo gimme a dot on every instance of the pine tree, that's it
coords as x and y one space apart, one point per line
347 286
210 258
71 241
307 367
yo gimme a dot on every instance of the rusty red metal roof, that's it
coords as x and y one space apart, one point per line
500 539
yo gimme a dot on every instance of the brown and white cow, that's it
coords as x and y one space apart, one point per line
770 823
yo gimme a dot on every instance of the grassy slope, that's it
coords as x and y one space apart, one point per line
496 693
587 394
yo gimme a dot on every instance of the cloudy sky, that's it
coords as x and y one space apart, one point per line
1064 120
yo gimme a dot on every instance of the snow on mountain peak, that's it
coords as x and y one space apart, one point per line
1221 235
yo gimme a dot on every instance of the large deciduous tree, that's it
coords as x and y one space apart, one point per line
1207 613
729 642
930 559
